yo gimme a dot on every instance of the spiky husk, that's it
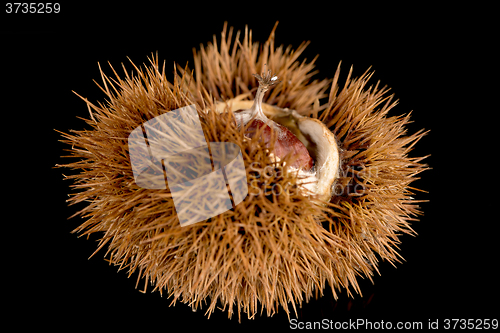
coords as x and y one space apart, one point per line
276 247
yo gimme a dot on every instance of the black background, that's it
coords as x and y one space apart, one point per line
422 53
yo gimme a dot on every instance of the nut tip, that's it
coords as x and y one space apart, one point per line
267 79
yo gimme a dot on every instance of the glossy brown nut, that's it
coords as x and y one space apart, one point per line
286 143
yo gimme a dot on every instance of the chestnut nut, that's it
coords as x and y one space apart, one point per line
313 145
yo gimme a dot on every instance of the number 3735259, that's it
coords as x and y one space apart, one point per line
32 7
471 324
